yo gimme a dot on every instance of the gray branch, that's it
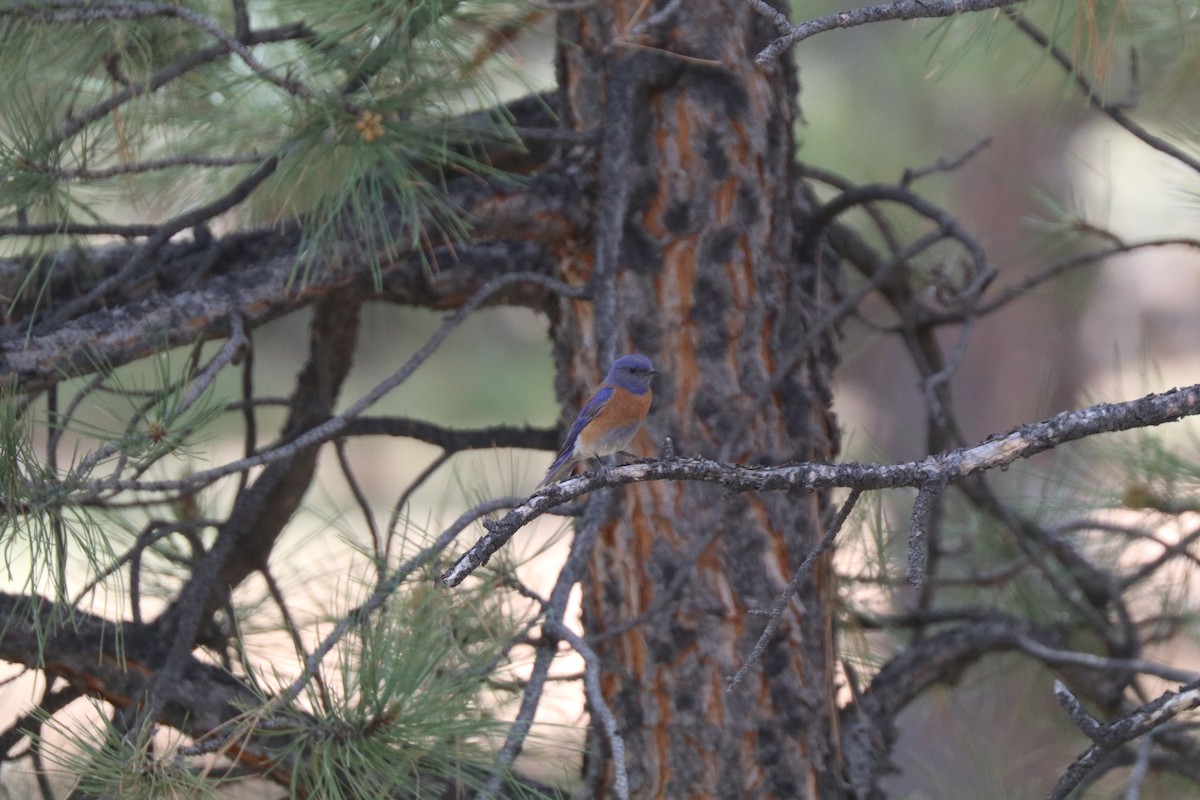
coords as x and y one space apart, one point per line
1108 738
946 467
902 9
252 276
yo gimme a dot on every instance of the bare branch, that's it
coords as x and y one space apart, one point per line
868 724
1054 269
1141 766
334 426
1111 736
999 451
581 549
383 546
1114 111
455 440
58 11
150 165
598 707
234 347
256 282
942 657
899 10
1061 658
360 498
944 164
861 195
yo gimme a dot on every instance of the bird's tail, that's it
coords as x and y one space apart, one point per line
558 470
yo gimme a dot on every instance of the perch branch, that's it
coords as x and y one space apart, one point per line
947 467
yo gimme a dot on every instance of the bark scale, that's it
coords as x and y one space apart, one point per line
711 286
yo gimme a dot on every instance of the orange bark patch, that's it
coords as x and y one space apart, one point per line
741 275
662 742
683 133
724 199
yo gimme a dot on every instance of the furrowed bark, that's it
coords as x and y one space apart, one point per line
707 240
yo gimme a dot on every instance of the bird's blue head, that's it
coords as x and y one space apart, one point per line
632 372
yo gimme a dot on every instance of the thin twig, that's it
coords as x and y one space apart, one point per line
385 589
586 536
1054 269
154 531
1057 657
293 630
599 708
867 193
249 417
335 425
454 440
55 12
230 351
944 164
385 546
1113 111
793 586
899 10
150 165
360 497
1141 767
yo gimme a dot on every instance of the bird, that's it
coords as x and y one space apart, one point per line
609 420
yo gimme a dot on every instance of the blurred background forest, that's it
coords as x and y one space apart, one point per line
876 100
1053 167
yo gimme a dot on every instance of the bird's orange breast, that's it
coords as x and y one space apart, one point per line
614 427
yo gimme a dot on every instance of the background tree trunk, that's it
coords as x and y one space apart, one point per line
708 239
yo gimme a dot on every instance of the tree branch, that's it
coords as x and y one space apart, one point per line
206 701
454 440
262 510
899 10
55 11
946 467
599 708
1113 111
1111 736
335 425
254 279
585 539
793 586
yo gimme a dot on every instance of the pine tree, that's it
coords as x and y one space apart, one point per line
179 177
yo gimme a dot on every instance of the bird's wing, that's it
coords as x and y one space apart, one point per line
565 459
590 411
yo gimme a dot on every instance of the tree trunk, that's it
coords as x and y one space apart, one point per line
710 285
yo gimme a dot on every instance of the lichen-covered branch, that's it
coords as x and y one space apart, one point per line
947 467
902 9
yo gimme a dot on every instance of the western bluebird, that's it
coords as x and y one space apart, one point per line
610 419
